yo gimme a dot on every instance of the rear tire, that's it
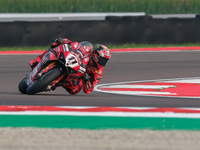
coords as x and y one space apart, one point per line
43 82
23 86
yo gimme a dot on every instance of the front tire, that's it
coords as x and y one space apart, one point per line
43 82
23 86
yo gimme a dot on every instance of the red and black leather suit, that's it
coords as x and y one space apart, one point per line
88 81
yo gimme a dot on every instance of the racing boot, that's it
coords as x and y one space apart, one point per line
34 63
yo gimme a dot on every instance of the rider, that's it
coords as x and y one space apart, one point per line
55 43
94 69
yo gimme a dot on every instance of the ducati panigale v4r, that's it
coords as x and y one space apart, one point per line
57 66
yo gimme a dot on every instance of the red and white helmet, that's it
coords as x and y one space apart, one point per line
101 55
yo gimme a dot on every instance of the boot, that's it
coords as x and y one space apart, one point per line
34 63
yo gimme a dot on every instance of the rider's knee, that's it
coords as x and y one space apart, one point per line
72 91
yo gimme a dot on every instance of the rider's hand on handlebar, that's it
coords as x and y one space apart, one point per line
86 77
58 40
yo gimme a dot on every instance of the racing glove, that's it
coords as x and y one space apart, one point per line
86 78
57 42
86 81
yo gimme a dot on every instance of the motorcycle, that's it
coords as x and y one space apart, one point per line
58 65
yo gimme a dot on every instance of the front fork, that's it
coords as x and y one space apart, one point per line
57 82
43 71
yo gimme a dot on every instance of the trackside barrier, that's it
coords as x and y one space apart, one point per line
113 30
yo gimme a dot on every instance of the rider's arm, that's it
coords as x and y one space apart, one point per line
93 79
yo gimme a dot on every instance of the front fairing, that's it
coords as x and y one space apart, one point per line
68 60
75 64
45 61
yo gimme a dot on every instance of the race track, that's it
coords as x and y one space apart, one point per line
123 67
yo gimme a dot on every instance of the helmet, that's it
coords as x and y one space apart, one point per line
101 55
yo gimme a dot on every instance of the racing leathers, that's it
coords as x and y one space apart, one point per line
94 77
87 82
74 85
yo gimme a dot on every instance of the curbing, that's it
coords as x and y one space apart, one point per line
100 117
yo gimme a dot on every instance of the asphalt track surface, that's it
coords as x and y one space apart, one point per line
123 67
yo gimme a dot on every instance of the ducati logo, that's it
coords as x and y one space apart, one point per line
182 88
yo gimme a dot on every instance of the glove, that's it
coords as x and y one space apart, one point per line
88 85
86 77
58 40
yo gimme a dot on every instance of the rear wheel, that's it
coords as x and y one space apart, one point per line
43 82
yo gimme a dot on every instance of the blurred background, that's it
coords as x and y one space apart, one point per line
72 6
113 22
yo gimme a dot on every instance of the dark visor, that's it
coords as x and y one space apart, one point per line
102 61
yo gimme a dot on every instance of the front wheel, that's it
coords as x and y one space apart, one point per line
43 82
23 86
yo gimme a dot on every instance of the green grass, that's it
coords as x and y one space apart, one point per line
133 45
54 6
99 122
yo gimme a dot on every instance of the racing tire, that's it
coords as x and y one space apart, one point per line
23 86
43 82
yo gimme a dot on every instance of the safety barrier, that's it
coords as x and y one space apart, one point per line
112 30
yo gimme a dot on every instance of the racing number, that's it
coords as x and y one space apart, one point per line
71 61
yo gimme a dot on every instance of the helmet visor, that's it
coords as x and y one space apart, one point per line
102 61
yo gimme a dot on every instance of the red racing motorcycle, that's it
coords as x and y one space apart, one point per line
58 65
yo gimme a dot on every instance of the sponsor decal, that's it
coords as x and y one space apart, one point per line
82 70
65 47
80 52
95 69
99 72
83 65
71 61
45 58
76 44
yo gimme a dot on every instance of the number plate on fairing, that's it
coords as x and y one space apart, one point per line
71 61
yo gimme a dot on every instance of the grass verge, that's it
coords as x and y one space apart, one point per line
132 45
54 6
99 122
